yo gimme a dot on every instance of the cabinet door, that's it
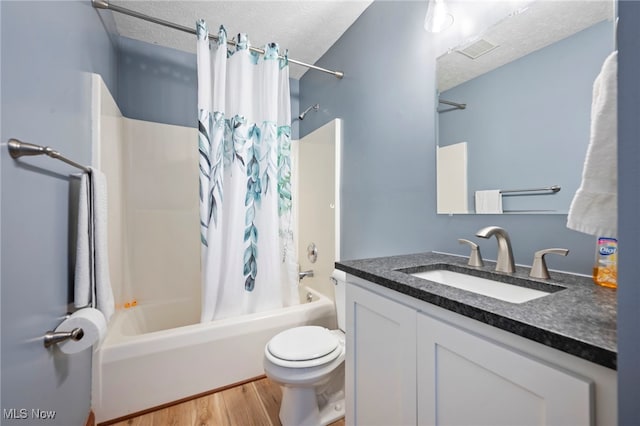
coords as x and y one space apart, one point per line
381 360
465 379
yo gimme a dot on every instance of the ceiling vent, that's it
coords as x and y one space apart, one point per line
478 48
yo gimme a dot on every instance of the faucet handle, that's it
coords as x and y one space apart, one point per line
539 267
475 258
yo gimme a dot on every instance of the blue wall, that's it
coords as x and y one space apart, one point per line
628 213
157 83
47 49
386 100
524 120
160 84
294 88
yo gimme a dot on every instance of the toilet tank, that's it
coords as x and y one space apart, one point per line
340 281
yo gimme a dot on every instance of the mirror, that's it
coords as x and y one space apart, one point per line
517 120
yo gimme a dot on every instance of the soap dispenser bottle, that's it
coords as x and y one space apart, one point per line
605 270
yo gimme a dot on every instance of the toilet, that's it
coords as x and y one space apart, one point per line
308 363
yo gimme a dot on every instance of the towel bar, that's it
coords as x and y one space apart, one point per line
553 189
19 149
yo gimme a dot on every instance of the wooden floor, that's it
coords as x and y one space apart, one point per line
252 404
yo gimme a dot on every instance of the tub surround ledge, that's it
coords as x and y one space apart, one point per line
580 319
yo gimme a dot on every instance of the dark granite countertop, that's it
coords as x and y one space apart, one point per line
580 319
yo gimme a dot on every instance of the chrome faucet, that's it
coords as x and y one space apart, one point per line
304 274
505 261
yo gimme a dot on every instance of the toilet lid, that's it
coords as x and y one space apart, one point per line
310 363
303 343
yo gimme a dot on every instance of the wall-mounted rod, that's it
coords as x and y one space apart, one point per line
19 149
315 107
454 104
104 4
55 337
553 189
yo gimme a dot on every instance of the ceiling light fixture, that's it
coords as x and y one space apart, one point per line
438 18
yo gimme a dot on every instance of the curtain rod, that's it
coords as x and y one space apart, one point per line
104 4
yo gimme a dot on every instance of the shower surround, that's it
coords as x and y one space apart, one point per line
156 352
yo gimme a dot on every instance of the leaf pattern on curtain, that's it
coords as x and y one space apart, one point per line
271 51
284 192
210 150
252 201
211 128
268 154
204 147
284 182
243 43
284 61
284 170
234 140
248 255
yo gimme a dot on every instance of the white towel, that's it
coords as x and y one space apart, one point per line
82 293
92 282
489 201
594 209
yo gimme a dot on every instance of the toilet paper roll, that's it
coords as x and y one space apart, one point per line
92 323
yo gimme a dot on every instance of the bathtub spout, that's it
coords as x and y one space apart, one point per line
303 274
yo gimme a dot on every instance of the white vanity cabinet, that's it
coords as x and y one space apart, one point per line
381 360
466 379
410 362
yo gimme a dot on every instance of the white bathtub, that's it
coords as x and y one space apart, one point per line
156 354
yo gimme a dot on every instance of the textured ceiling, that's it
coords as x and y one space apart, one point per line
539 24
307 28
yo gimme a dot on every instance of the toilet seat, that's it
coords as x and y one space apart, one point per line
303 347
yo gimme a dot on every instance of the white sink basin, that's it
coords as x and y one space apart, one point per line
497 290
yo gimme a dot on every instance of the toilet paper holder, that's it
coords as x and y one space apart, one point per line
55 337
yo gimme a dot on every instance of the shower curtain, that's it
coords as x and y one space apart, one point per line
249 262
